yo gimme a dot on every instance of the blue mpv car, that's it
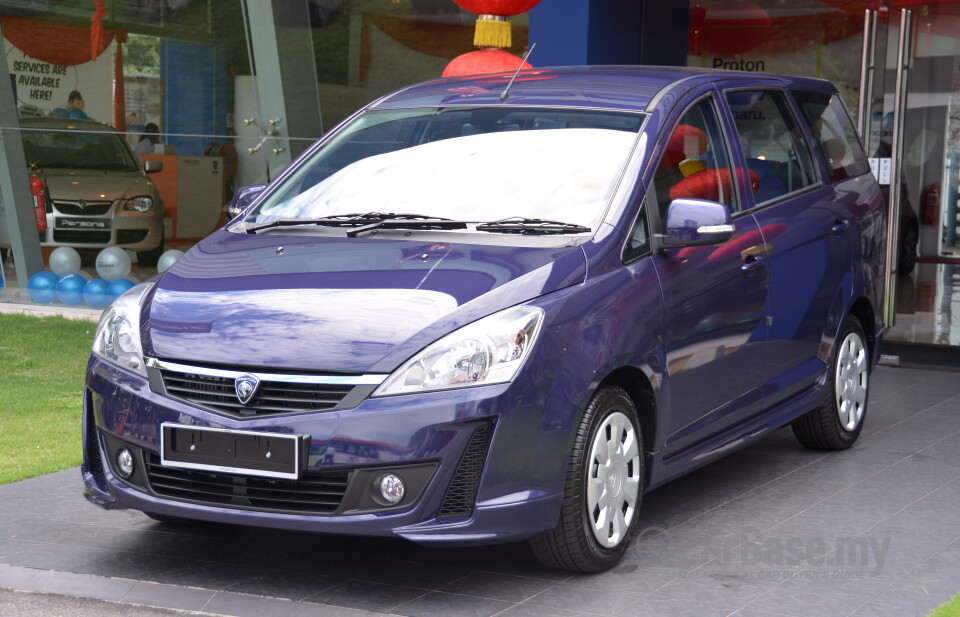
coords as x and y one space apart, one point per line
481 311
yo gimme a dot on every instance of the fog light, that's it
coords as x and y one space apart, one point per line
391 488
125 463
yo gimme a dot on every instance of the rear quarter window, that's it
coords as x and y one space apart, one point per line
834 134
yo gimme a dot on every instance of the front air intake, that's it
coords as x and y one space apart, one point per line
462 492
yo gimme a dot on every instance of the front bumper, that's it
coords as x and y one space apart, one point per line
517 486
132 231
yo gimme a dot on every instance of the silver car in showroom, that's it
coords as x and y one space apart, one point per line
97 193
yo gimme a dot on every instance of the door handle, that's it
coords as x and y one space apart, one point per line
751 263
840 226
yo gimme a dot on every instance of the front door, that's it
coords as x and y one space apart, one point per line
714 296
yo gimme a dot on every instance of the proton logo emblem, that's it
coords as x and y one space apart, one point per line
246 387
82 204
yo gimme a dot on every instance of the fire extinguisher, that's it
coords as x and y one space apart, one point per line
931 205
39 202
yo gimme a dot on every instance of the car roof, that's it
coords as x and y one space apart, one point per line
54 122
627 88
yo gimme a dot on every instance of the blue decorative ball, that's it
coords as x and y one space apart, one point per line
119 286
96 293
70 289
42 287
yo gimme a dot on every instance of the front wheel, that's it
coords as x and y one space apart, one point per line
837 423
602 491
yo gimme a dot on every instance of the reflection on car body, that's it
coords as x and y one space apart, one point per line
485 321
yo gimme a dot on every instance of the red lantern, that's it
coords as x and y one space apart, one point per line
493 19
734 27
484 61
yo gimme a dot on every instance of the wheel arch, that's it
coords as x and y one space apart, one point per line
863 310
638 387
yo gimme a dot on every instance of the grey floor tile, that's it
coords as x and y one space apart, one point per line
243 605
881 610
88 586
440 604
654 605
498 586
306 609
719 587
25 579
804 603
285 584
366 595
534 610
580 598
168 596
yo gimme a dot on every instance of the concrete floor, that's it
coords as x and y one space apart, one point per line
774 529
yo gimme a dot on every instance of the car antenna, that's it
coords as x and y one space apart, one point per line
505 93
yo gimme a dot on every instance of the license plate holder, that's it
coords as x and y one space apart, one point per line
84 223
252 453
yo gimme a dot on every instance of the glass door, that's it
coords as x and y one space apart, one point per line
914 143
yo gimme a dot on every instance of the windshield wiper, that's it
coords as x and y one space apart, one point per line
522 225
365 221
407 221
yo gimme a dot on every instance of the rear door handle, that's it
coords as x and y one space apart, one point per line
840 226
751 263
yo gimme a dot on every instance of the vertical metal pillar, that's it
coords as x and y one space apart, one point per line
896 162
285 79
15 186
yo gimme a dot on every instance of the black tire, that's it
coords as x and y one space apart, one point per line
573 545
3 256
149 259
168 519
907 258
828 427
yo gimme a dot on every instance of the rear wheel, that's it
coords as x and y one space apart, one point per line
837 423
602 491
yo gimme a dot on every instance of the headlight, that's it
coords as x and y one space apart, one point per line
117 339
490 350
140 204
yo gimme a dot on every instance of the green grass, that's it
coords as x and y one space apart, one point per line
42 363
951 608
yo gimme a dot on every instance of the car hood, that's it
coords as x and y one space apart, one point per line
94 185
352 305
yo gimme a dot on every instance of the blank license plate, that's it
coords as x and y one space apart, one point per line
269 455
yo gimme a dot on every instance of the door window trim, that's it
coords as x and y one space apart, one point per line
818 180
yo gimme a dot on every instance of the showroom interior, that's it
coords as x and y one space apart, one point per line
225 93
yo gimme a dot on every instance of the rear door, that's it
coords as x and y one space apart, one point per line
806 233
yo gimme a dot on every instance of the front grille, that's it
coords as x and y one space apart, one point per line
219 394
131 236
81 237
462 492
314 493
92 208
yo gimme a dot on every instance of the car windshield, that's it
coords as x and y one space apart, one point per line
72 149
472 164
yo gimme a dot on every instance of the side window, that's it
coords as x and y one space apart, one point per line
834 134
695 162
639 242
778 159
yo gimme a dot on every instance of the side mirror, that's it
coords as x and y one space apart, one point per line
696 222
243 198
152 166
